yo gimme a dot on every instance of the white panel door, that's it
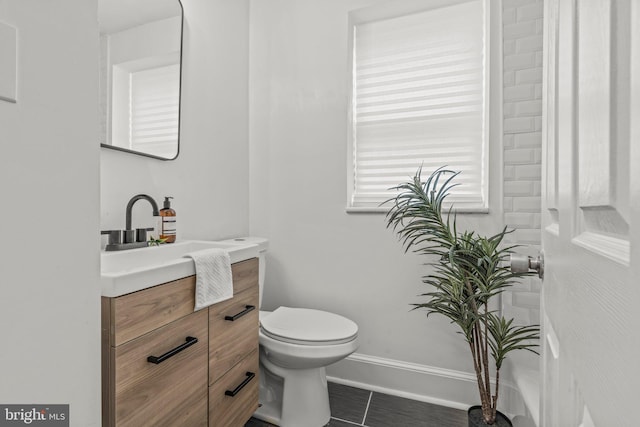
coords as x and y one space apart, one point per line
591 215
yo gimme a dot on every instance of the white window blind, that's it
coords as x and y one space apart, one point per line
420 99
154 110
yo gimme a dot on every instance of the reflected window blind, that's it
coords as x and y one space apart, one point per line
419 98
155 107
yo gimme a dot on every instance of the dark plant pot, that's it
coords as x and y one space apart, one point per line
475 418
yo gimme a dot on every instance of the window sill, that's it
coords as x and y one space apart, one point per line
384 210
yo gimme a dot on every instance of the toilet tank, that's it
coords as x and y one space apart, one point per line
263 245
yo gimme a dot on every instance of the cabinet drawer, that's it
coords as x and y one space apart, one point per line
235 411
230 341
245 275
135 314
170 393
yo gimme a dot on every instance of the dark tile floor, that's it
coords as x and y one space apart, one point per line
356 407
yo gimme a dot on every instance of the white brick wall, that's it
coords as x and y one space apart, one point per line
522 66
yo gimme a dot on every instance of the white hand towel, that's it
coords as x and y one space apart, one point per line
213 277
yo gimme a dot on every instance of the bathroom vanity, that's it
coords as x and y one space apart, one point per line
165 365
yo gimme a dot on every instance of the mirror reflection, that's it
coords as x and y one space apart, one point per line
140 68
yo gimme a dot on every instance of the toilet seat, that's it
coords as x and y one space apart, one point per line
306 326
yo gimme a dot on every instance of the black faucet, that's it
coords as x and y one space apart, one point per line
133 200
130 239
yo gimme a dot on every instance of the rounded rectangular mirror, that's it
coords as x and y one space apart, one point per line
140 76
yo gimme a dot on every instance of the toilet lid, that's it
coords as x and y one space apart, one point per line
308 327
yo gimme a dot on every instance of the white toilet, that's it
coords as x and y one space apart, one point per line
296 344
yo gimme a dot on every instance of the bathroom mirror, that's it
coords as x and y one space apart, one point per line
140 76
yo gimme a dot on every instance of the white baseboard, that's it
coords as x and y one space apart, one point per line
445 387
454 389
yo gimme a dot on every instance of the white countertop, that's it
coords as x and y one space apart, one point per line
132 270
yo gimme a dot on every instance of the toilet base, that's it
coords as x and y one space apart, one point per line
293 397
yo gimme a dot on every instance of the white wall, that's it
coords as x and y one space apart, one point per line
320 256
49 309
210 178
522 22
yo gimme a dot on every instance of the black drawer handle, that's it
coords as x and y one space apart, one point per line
250 376
247 309
159 359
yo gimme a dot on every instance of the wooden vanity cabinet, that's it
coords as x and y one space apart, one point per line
207 381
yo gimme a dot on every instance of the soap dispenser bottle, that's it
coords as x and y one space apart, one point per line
168 222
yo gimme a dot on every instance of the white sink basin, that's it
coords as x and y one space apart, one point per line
136 269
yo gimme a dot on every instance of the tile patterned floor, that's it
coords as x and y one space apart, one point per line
352 406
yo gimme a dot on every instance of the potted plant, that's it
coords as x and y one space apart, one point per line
469 271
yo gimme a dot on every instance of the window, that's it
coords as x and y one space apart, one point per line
146 106
155 110
419 96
